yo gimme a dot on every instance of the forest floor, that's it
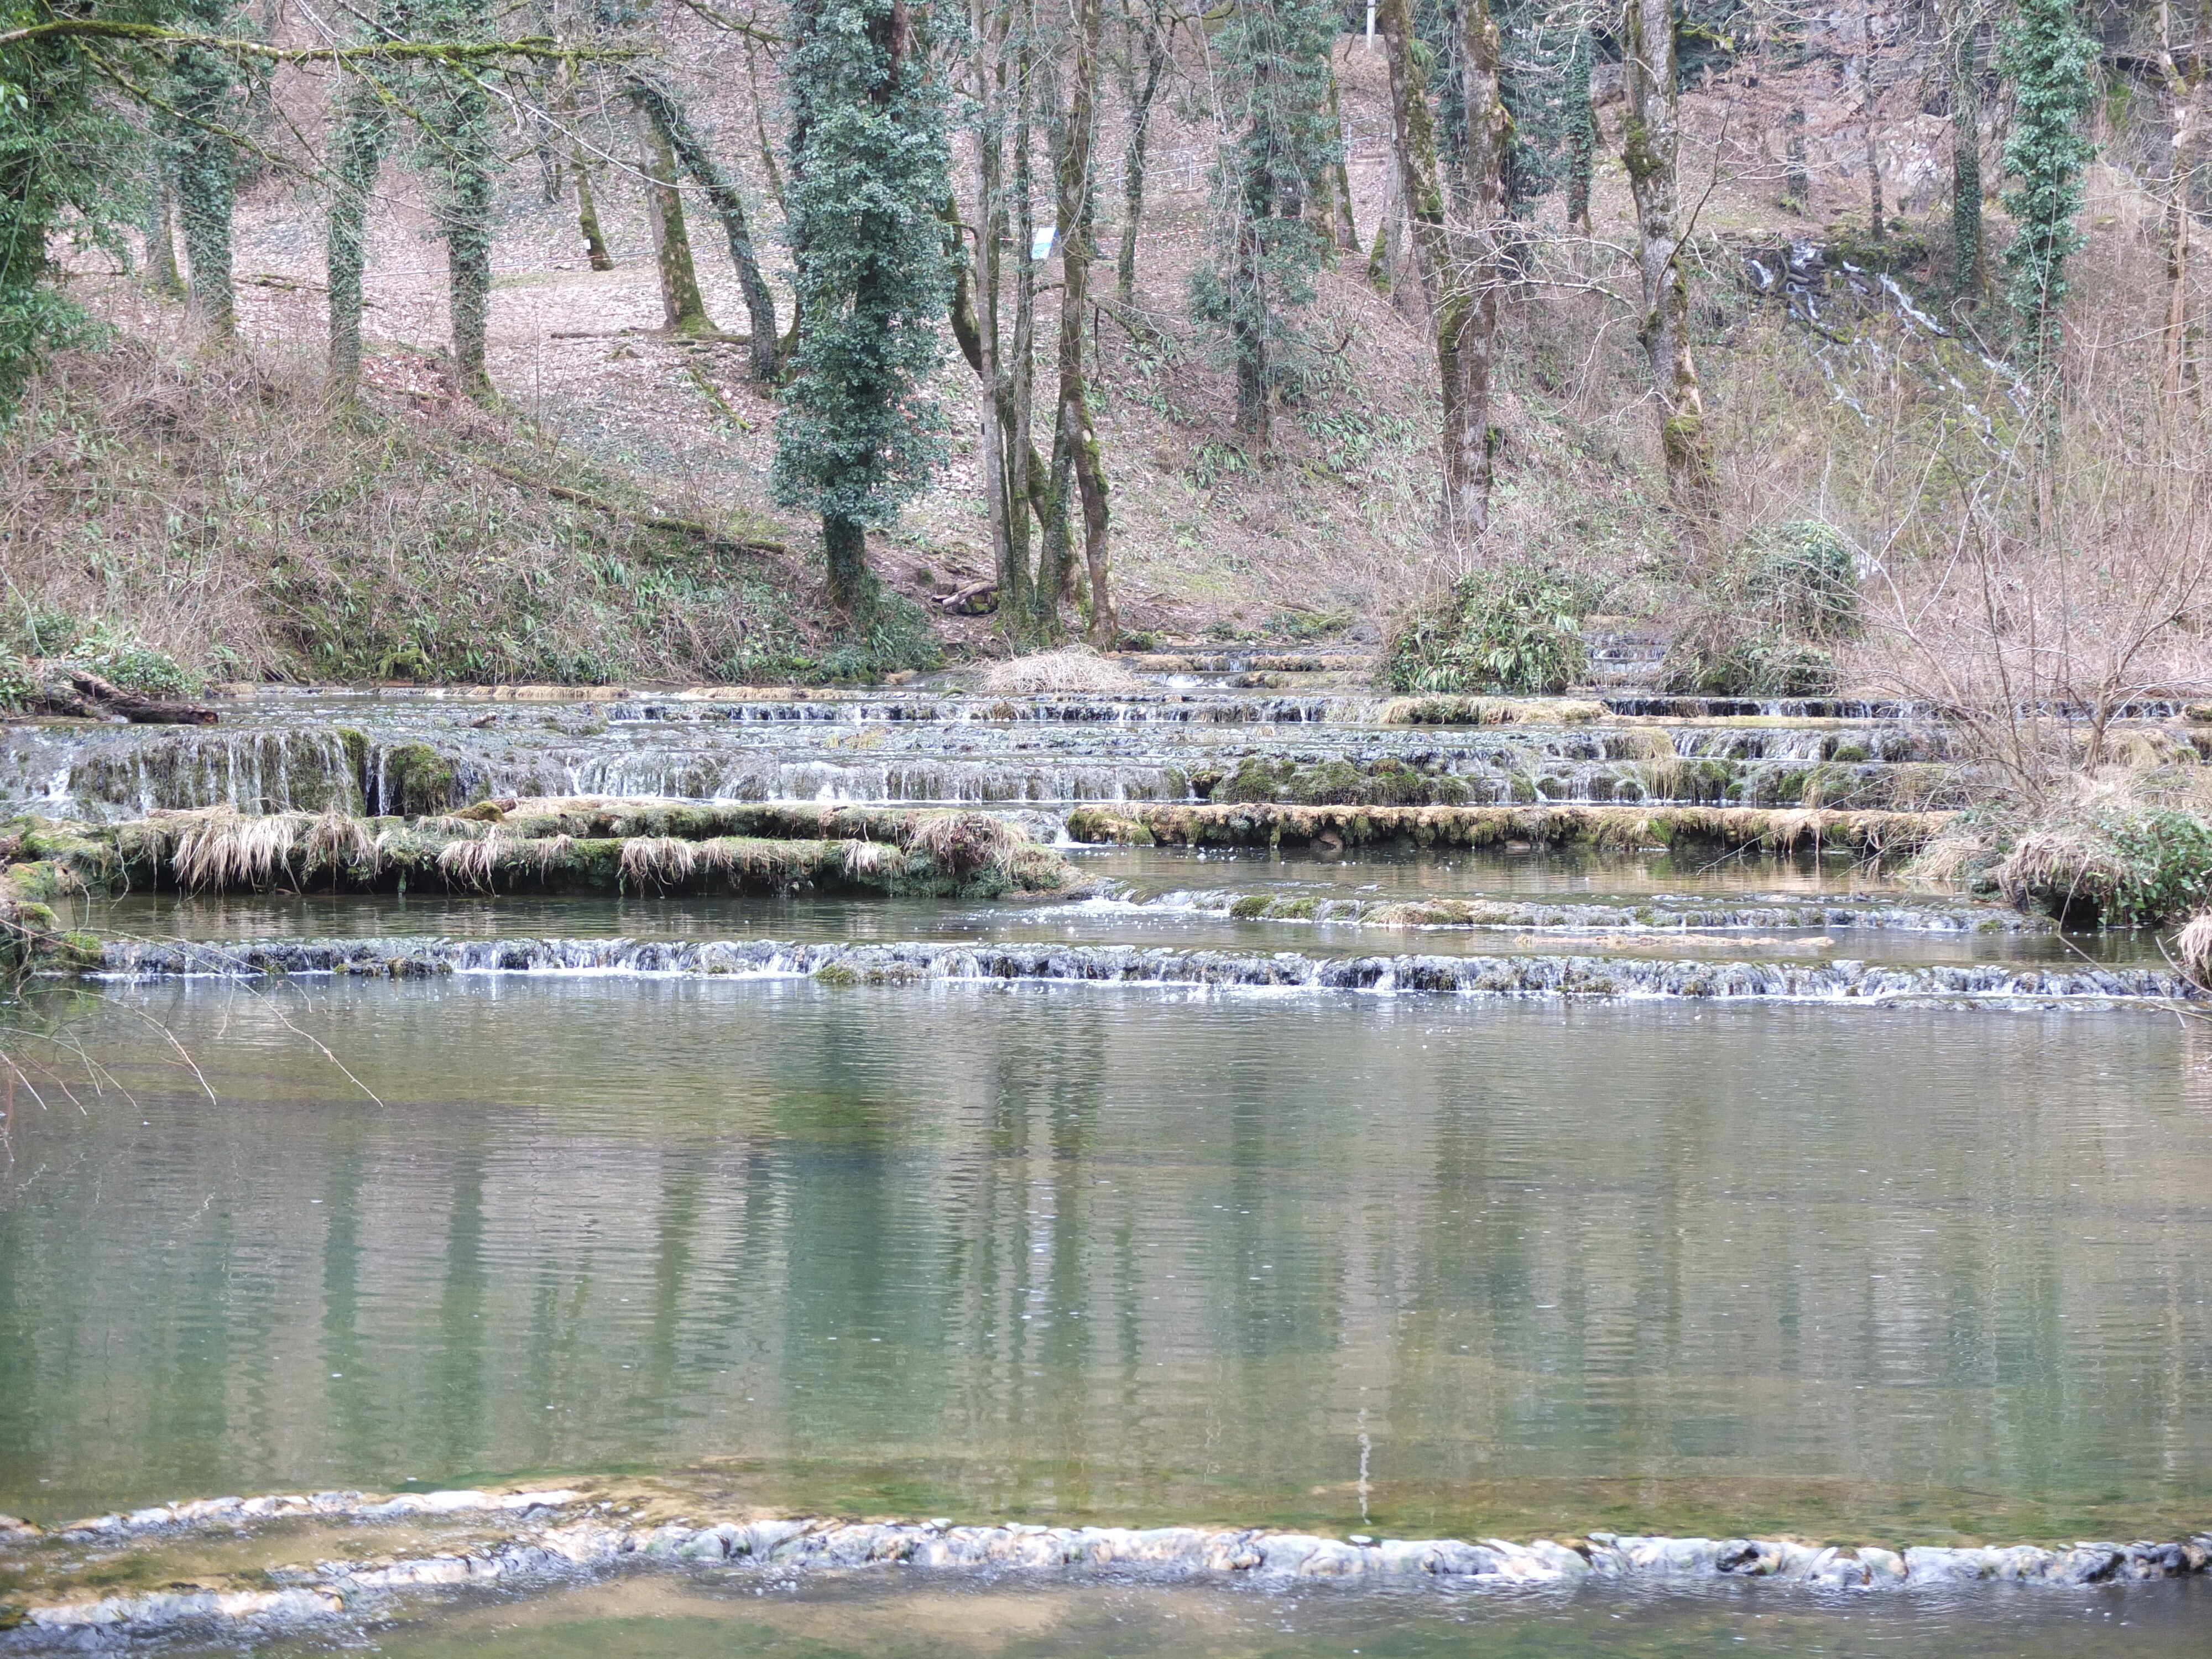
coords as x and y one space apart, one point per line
1325 531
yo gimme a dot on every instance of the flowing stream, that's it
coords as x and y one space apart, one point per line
1306 1247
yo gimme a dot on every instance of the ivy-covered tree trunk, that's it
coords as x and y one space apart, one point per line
1969 271
206 167
364 128
667 115
684 311
463 156
1580 118
868 170
1274 72
2050 58
1338 177
1650 139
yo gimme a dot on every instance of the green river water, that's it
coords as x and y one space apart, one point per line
1408 1266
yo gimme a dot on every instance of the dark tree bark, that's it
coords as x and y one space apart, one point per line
1153 30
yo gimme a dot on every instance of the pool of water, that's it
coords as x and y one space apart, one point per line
1409 1266
651 1618
1573 901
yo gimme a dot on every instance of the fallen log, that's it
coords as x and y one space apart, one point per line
138 710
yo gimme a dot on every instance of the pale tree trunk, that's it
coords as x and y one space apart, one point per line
676 131
1649 142
2186 94
357 153
1075 442
1342 226
1017 396
1457 266
683 310
161 233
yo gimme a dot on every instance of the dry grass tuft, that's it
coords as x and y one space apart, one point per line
958 842
661 861
472 862
866 860
225 849
2192 947
1078 669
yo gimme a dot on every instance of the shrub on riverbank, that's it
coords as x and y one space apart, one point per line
1510 630
1767 624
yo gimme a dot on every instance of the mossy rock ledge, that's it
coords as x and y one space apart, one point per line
1868 835
548 846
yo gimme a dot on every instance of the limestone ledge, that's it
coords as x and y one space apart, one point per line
560 1534
1841 983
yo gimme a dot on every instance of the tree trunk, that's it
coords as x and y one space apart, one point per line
1796 180
852 583
2185 95
676 134
1132 157
1581 121
683 310
1008 507
1866 115
1075 442
1969 269
1650 141
1457 265
1025 486
161 233
580 168
205 186
356 153
1344 227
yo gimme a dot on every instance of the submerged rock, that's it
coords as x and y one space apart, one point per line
557 1535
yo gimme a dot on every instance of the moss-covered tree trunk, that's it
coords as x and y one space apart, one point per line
1650 139
1345 226
1149 38
579 169
1075 441
364 128
684 310
1969 267
669 119
1457 264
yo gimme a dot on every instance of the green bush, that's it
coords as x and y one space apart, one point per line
1764 625
2130 868
129 664
17 686
1511 629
